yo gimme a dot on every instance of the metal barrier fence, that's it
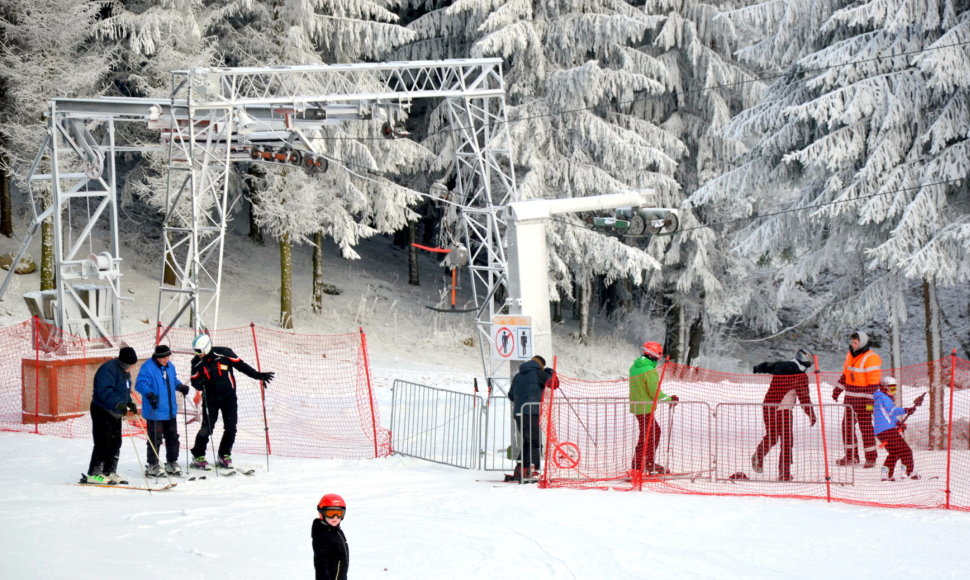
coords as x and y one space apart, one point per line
435 424
459 429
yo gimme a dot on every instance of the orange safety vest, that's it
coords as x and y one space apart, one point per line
862 371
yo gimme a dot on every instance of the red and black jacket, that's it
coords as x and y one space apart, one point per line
213 373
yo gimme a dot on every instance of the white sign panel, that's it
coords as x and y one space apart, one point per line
512 337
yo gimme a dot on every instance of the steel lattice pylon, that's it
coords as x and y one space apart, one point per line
217 116
211 107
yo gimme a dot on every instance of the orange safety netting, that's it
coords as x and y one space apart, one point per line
725 437
319 405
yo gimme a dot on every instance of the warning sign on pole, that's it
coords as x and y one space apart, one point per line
512 337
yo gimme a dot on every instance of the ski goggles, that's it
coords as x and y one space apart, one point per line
332 512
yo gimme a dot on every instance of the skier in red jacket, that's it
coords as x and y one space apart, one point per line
789 386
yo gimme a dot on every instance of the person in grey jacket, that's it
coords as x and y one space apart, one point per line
527 385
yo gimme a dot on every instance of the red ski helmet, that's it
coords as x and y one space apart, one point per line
331 500
653 350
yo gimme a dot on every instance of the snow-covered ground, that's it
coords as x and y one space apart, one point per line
413 519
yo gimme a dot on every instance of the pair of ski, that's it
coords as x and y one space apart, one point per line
226 471
84 481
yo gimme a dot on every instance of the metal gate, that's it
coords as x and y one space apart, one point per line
459 429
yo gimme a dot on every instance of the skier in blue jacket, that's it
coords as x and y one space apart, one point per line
157 382
885 420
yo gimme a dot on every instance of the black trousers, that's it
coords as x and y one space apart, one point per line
531 452
106 432
167 429
211 407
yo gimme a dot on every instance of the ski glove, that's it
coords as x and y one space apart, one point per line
836 392
265 377
673 400
120 407
132 408
182 388
152 400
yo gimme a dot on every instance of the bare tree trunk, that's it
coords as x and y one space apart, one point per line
557 311
316 302
695 338
6 217
673 335
931 310
585 297
414 278
47 273
286 282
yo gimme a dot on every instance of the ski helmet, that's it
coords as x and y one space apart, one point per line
331 500
202 345
653 350
888 382
804 357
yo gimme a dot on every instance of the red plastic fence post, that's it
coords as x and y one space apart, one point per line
36 374
544 478
262 394
370 388
821 418
949 427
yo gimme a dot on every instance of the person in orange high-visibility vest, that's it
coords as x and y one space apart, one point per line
861 374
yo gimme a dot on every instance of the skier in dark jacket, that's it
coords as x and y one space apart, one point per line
331 554
527 387
158 382
111 401
789 386
212 373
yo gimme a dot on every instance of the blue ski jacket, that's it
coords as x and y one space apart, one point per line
160 381
885 413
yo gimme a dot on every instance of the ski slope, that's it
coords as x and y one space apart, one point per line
413 519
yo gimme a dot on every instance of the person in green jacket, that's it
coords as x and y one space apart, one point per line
644 391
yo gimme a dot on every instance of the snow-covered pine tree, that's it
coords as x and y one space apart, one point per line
282 32
48 51
573 74
866 129
705 87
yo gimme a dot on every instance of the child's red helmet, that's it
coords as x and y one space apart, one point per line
653 350
331 500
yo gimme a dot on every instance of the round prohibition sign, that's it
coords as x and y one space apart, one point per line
505 342
566 455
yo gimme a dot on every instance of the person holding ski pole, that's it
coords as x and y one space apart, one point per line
331 554
644 392
889 429
157 382
789 386
110 402
861 372
527 385
212 374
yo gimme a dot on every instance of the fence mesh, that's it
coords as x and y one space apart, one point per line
728 435
319 405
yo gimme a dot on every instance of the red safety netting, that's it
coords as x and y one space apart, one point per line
728 435
320 404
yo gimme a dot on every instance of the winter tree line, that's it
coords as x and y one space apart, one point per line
817 149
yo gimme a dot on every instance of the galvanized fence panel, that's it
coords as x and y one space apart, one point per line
435 424
500 438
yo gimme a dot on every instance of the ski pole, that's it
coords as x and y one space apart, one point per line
208 427
144 425
124 419
185 423
670 429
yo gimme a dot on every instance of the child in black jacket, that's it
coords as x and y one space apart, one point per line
331 555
